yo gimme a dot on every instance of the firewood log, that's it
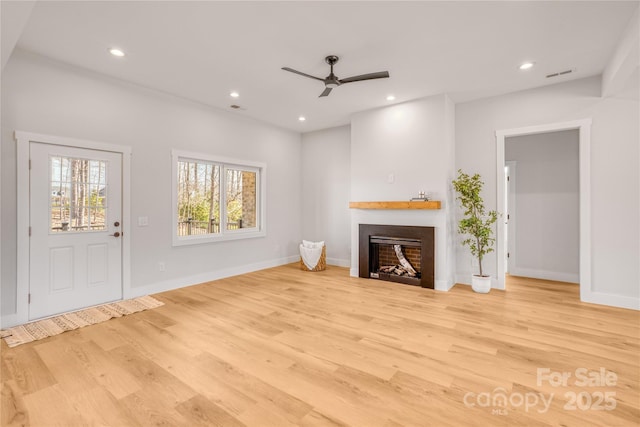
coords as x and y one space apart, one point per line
406 264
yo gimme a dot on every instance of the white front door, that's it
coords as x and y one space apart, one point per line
75 248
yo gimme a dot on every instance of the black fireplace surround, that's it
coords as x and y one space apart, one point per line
371 235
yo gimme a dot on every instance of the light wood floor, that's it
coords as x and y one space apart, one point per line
283 347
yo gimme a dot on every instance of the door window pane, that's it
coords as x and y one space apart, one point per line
78 194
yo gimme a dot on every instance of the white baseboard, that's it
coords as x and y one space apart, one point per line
463 279
339 262
443 285
610 300
545 275
182 282
9 320
585 296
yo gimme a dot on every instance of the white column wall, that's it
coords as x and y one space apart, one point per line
413 142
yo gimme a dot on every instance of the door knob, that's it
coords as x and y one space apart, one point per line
116 234
116 224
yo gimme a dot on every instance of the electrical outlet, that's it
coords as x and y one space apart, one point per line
161 266
143 221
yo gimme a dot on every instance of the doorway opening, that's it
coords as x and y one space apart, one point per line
583 128
541 233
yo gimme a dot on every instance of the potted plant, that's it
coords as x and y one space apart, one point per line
476 224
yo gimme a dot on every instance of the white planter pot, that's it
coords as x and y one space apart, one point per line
481 284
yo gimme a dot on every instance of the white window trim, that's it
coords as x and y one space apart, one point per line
225 163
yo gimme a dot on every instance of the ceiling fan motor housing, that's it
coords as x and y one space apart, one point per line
331 80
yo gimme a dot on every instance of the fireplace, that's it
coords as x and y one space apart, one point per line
402 254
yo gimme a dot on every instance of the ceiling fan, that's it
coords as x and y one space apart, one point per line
332 80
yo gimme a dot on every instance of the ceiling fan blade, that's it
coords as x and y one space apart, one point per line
325 92
301 73
370 76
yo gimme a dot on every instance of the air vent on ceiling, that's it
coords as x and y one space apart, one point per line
560 73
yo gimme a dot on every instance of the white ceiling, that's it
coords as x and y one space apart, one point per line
203 50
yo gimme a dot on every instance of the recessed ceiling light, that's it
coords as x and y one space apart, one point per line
526 65
390 98
116 52
302 118
234 94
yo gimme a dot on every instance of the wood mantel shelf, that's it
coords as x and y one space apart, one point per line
428 204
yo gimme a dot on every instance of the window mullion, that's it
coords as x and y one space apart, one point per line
223 199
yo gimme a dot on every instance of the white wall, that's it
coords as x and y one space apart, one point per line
325 191
546 212
14 15
615 179
625 60
45 97
414 141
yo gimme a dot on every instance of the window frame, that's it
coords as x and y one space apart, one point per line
224 163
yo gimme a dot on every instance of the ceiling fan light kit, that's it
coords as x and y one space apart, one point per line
332 81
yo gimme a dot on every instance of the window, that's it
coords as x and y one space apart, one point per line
198 198
216 199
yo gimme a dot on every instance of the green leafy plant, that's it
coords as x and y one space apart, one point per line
476 223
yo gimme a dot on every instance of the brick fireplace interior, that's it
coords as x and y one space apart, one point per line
378 258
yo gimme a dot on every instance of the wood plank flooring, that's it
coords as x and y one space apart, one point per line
282 347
